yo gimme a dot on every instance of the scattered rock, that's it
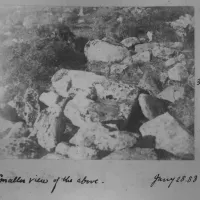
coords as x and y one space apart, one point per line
151 106
19 105
100 138
5 127
18 130
118 68
127 61
100 68
178 72
49 99
98 50
77 111
76 152
133 154
163 77
176 45
139 12
170 62
180 25
49 126
139 48
125 108
169 134
172 93
191 81
130 42
162 52
32 107
117 90
142 57
22 148
183 110
181 57
150 83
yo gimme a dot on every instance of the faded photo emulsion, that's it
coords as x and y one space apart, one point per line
97 83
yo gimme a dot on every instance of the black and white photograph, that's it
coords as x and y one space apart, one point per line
97 83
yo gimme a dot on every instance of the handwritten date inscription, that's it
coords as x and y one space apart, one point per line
179 179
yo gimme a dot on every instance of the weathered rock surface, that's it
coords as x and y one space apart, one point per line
84 112
170 62
178 72
180 25
130 42
18 130
176 45
172 93
128 61
118 68
169 134
183 110
139 48
49 99
163 77
115 90
77 110
48 127
132 154
162 52
100 138
151 106
191 81
22 148
150 83
98 50
181 57
32 108
67 82
76 152
142 57
5 127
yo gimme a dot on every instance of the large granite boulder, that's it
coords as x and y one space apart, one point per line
100 138
170 135
98 50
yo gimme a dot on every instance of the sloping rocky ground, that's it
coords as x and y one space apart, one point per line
135 101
